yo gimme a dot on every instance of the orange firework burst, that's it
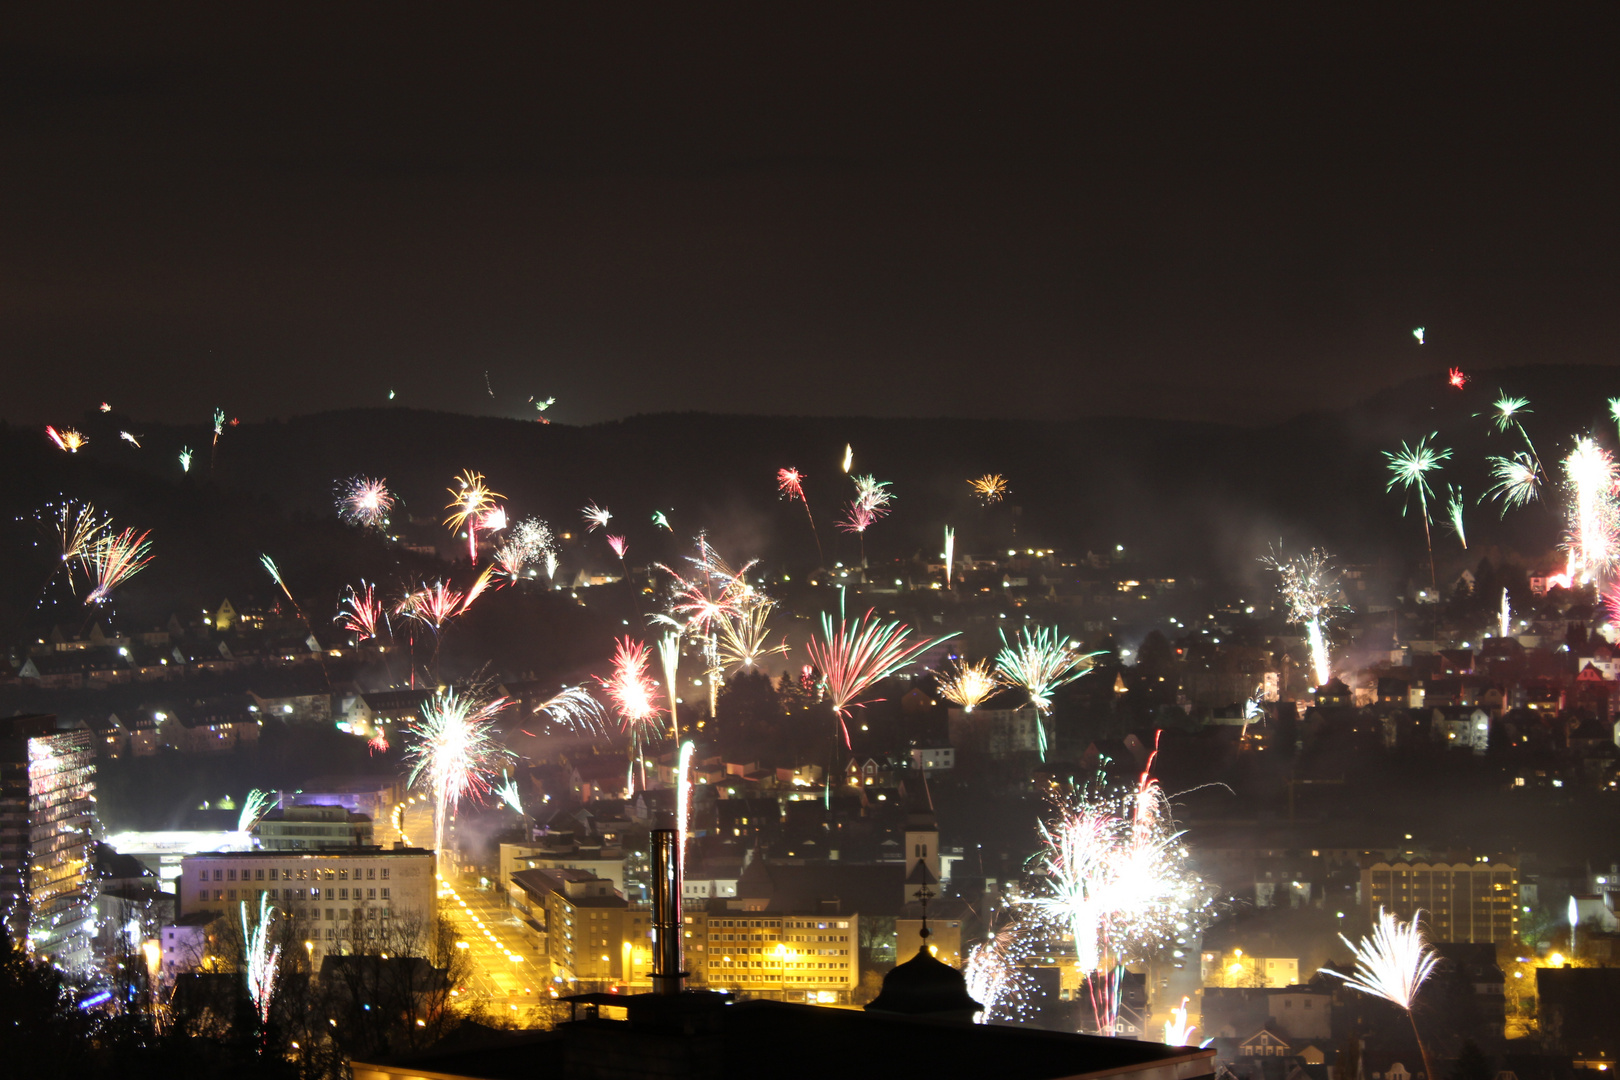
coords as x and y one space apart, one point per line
991 487
66 439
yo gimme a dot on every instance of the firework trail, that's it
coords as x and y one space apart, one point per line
996 979
743 637
857 519
1418 333
1504 618
508 792
619 545
1310 587
968 685
1119 882
1454 513
1614 411
456 751
669 656
254 807
185 459
529 541
114 560
1456 378
854 655
683 802
989 488
67 439
360 611
574 708
661 521
1392 964
633 696
950 555
132 440
365 502
552 563
1040 662
790 485
849 457
1594 514
596 517
1508 410
261 958
1410 467
104 407
470 500
1518 479
219 429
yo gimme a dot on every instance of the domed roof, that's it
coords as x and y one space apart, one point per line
923 986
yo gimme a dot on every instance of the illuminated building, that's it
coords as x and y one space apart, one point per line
334 897
47 819
301 828
1462 899
582 918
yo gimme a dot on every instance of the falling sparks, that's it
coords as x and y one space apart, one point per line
80 529
996 979
455 749
1594 513
1310 588
131 439
67 439
1456 378
114 560
364 501
989 488
1177 1032
950 555
574 708
856 654
619 545
470 500
968 685
261 957
509 794
596 517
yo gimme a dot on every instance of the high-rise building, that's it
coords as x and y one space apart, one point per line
47 836
1462 897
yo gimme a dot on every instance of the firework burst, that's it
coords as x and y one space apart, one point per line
790 486
989 488
470 500
365 502
254 806
1310 588
1594 513
1040 660
80 530
131 439
1410 467
996 978
968 685
662 522
360 612
1393 963
596 517
67 439
185 459
1454 513
114 560
619 545
1518 480
509 794
1118 881
456 751
634 697
529 542
856 654
1456 378
744 638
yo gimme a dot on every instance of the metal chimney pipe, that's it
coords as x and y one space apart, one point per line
667 975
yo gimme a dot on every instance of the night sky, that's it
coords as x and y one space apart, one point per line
937 210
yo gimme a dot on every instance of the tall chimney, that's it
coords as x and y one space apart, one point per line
667 975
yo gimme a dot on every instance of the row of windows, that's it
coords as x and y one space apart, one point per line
287 875
292 894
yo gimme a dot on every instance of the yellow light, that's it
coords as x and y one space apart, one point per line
1556 960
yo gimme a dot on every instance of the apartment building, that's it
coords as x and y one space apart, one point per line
335 897
812 958
1463 898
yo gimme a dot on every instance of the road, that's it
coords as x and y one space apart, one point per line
506 974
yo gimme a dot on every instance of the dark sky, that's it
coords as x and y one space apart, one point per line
1181 210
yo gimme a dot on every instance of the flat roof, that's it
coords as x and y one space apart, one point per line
315 853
